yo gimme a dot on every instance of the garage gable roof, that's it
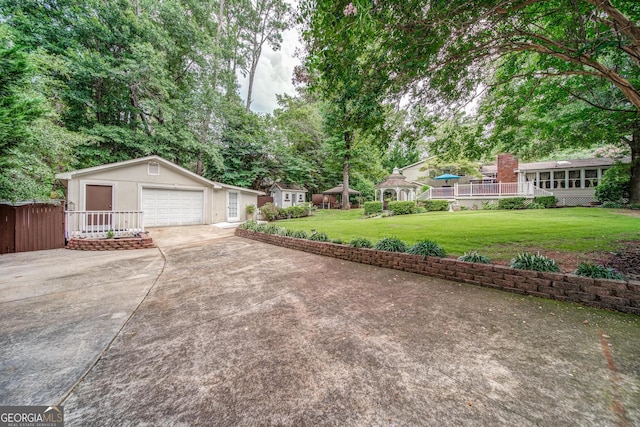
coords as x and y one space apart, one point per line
118 165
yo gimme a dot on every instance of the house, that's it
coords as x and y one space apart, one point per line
416 172
166 193
572 182
286 195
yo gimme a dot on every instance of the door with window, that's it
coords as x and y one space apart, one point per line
99 198
233 211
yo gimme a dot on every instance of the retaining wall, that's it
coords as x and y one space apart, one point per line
142 242
602 293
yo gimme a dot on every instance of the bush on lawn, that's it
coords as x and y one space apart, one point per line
474 256
361 242
597 271
269 212
616 184
427 248
300 234
391 244
511 203
546 201
402 208
435 205
296 211
527 261
250 225
371 208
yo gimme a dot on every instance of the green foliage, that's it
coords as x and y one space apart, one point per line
391 244
535 262
297 211
535 205
616 184
546 201
402 208
250 209
474 256
634 206
271 229
249 225
111 234
361 242
371 208
490 205
300 234
427 248
436 205
320 236
337 241
269 212
512 203
612 205
597 271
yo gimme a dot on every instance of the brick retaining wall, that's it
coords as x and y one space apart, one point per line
142 242
602 293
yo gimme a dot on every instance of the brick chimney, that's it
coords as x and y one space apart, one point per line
507 164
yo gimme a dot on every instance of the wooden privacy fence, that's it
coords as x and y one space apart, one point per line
31 227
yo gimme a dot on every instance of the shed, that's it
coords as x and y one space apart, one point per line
168 194
286 195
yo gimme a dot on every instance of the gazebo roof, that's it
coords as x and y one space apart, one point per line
396 180
338 190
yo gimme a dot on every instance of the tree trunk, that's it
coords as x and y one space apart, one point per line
634 185
348 136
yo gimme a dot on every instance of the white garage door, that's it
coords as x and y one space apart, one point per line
172 207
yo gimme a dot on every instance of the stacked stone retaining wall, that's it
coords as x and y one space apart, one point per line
123 243
602 293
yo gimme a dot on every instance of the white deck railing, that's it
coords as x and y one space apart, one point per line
502 189
100 224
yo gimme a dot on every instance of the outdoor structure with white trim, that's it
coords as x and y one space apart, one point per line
286 195
125 197
397 184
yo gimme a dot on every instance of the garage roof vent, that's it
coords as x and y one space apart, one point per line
154 168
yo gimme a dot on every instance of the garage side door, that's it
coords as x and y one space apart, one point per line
172 207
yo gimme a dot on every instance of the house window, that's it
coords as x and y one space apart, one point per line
153 168
574 179
545 180
559 179
300 198
590 178
286 196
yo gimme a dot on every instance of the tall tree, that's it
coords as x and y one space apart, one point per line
267 19
337 69
444 51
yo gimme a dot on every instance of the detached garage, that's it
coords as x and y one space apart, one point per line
167 194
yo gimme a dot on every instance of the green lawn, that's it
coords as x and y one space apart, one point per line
498 234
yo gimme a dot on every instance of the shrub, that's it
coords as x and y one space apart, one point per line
361 242
250 209
337 241
612 205
427 248
616 184
474 256
284 232
634 206
490 205
371 208
296 211
511 203
272 229
421 210
402 208
300 234
269 212
527 261
320 236
546 201
436 205
597 271
391 244
249 225
534 205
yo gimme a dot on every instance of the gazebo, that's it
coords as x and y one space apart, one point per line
337 191
396 182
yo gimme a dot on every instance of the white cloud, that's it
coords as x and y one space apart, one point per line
273 75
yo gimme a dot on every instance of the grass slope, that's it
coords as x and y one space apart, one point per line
498 234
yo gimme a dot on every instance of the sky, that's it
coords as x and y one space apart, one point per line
273 75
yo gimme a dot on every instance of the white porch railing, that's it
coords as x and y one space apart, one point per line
100 224
502 189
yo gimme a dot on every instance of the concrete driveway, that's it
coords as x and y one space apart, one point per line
237 332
